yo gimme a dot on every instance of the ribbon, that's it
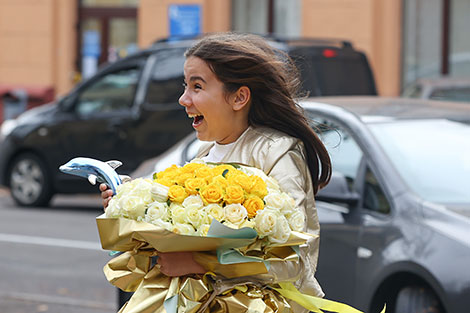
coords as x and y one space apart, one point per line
315 304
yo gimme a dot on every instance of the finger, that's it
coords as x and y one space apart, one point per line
103 187
106 202
107 194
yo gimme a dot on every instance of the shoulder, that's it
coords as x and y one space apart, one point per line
271 145
271 138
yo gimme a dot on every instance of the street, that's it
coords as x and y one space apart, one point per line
51 259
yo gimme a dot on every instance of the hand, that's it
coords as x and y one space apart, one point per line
178 264
106 195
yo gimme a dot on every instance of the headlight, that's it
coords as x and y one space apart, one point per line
7 127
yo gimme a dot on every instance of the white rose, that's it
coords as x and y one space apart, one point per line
159 192
235 213
157 210
297 221
132 206
177 213
183 229
203 230
113 209
274 201
193 202
142 189
272 185
289 205
281 231
216 211
265 222
194 216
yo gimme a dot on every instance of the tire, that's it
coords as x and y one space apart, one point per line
29 180
417 299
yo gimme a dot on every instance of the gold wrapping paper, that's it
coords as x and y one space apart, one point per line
132 270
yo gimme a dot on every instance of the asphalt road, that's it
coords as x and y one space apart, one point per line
51 259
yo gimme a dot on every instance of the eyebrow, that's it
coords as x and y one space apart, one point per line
193 78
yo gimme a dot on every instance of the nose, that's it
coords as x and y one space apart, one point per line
185 100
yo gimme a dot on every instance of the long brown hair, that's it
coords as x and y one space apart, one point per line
248 60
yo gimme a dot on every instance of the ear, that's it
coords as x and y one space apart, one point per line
241 98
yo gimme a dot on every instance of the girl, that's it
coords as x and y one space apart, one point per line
240 93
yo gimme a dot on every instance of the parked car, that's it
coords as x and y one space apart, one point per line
395 217
442 88
129 111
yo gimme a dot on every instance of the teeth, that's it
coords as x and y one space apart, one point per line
193 115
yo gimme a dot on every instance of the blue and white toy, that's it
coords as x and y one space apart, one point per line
95 171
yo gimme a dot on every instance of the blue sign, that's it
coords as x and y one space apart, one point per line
185 19
91 44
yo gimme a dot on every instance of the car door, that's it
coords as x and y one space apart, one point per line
102 118
339 222
377 234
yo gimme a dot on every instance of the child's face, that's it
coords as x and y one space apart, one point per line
206 102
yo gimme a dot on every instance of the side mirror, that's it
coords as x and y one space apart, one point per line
338 191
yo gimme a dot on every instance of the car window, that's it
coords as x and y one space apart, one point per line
453 94
166 82
345 153
374 197
112 92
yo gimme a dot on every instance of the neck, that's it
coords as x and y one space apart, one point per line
233 136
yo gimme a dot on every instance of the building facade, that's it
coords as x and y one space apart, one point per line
54 43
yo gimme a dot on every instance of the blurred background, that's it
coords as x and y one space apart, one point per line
56 50
52 44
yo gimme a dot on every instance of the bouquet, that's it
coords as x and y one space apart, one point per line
185 200
234 217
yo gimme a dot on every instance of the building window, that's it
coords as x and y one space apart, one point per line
107 32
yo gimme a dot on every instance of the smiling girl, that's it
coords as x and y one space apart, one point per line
239 93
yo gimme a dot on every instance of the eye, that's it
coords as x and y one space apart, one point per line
197 86
184 85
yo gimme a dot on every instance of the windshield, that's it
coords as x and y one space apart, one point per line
432 156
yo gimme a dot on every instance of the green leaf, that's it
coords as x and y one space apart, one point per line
224 173
154 176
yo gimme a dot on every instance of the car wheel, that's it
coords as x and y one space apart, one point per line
417 299
29 181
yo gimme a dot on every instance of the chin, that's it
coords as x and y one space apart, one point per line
203 137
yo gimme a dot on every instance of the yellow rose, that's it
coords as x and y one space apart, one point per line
258 187
234 194
193 185
177 193
220 181
169 172
212 193
191 167
203 172
183 177
224 169
241 179
165 181
253 204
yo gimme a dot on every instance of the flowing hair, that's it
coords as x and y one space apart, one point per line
248 60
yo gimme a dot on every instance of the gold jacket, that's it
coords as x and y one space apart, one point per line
283 157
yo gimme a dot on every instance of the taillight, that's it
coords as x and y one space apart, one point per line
329 53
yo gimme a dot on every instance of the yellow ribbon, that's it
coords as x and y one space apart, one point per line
315 304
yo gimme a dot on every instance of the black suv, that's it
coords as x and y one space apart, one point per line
129 111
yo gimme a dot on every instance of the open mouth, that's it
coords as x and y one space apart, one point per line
197 119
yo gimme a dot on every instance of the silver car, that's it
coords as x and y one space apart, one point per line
395 218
